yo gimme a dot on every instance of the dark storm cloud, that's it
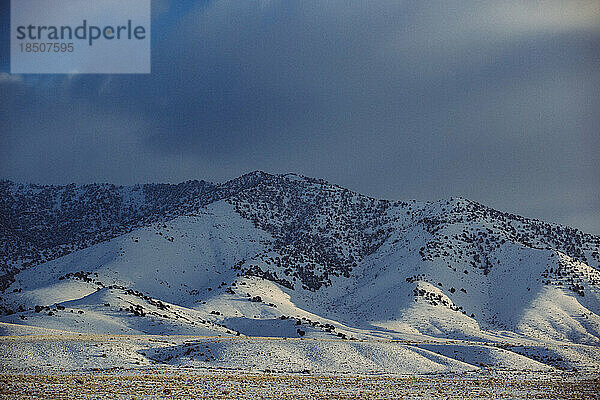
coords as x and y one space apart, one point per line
494 101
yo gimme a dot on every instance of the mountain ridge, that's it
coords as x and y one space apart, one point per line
290 256
156 202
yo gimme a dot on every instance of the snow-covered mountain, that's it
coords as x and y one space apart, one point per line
296 257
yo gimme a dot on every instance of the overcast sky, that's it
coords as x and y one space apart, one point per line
496 101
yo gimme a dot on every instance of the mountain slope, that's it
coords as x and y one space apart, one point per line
295 257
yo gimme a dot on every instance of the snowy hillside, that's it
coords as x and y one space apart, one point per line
451 282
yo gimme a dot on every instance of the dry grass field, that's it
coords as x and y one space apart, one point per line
268 386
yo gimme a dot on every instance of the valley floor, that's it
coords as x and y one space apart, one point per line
151 383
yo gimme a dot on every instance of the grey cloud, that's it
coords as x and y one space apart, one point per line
494 101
